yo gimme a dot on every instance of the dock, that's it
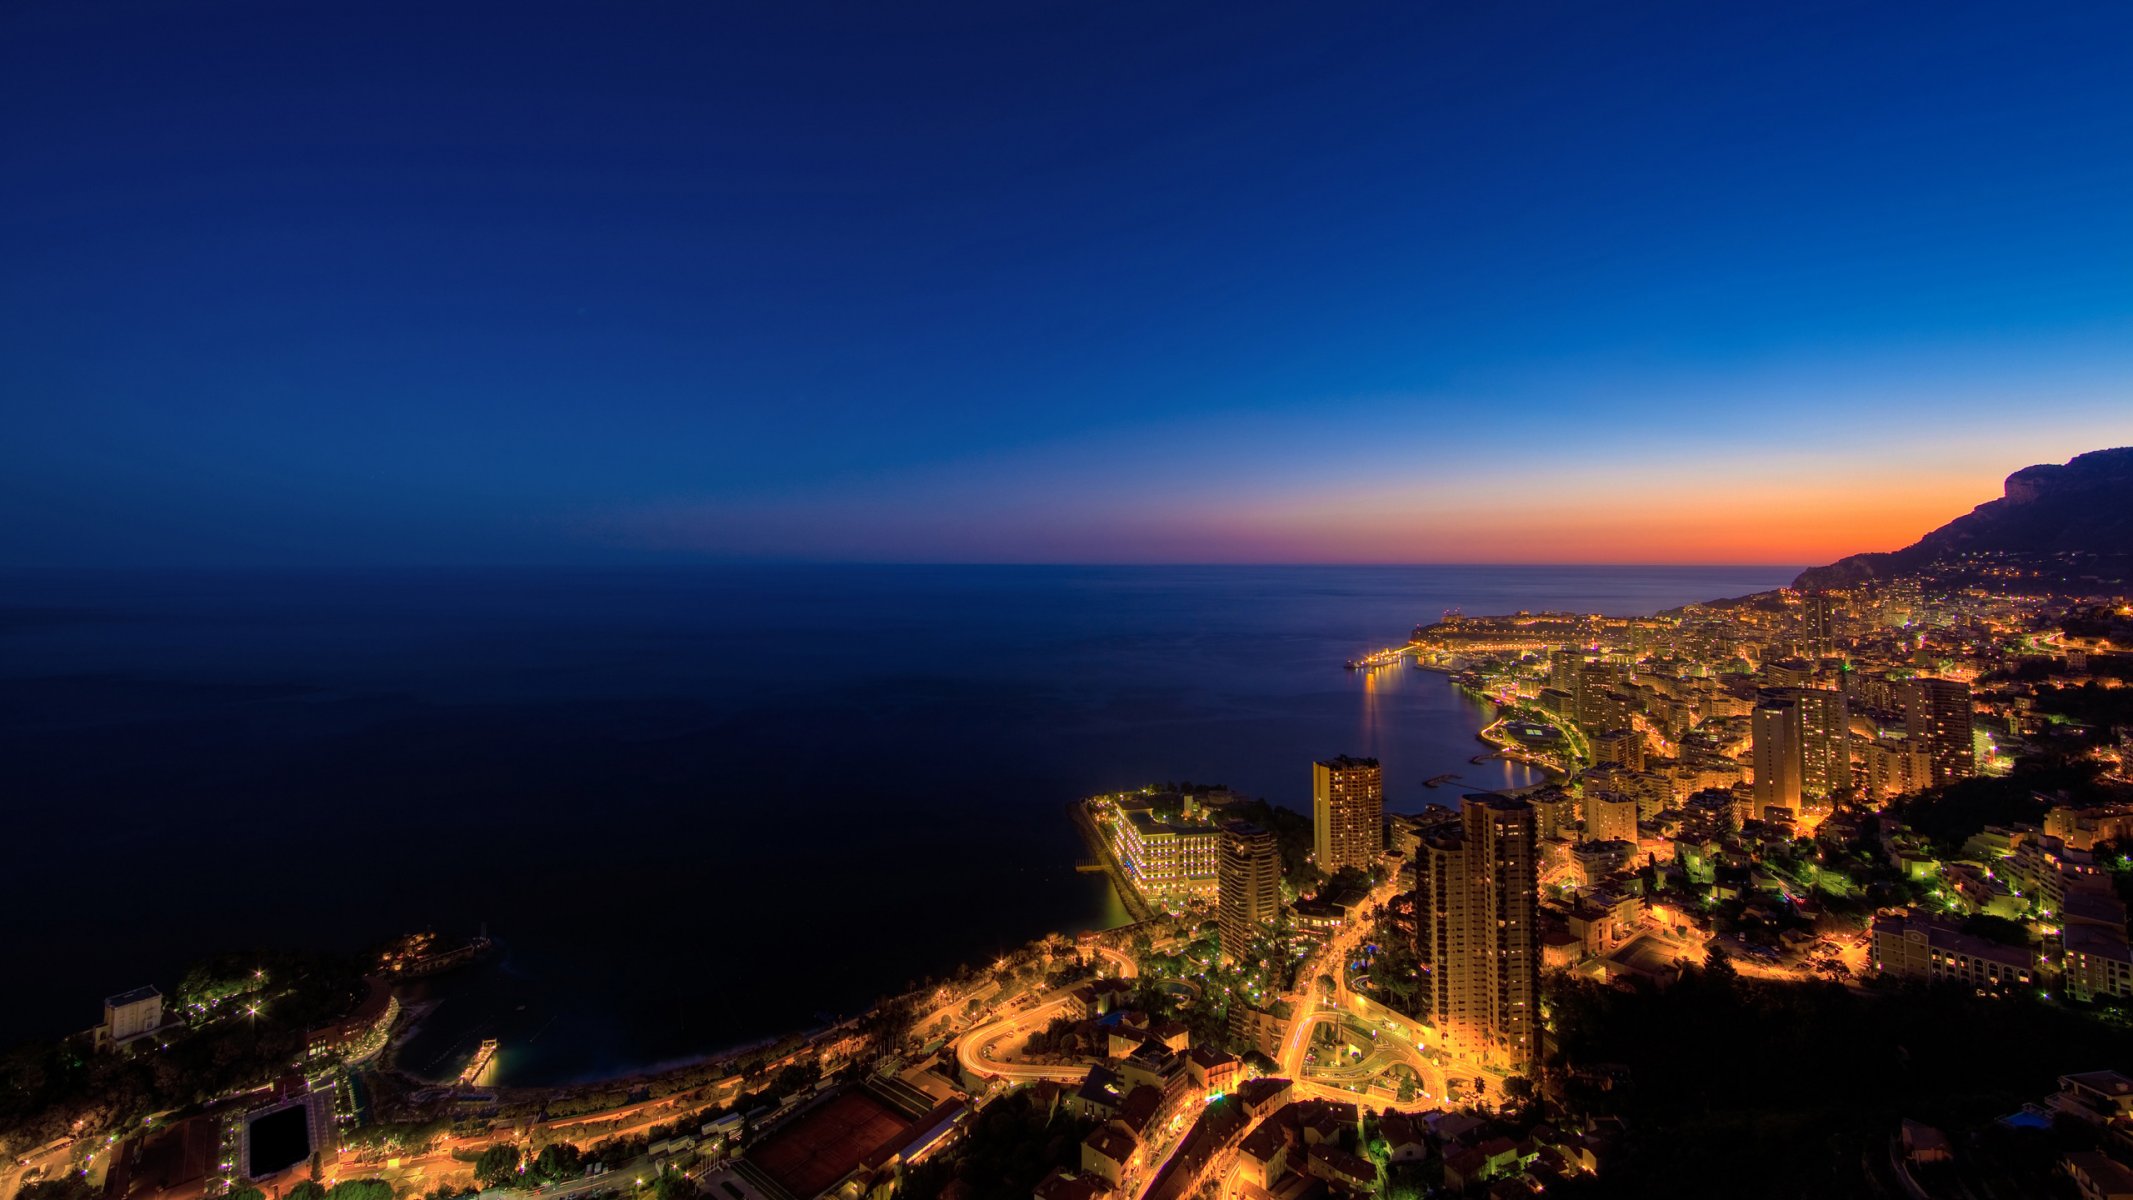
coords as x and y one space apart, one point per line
1127 895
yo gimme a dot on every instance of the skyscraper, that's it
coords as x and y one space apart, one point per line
1802 746
1347 812
1818 624
1563 666
1774 730
1825 741
1937 718
1247 885
1478 932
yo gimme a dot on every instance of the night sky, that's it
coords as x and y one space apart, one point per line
309 283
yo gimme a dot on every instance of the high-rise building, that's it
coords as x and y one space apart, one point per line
1825 741
1554 812
1610 817
1563 667
1895 768
1347 812
1774 732
1247 886
1818 624
1937 719
1802 746
1478 932
1620 748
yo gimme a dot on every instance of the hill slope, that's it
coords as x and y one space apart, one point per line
2083 507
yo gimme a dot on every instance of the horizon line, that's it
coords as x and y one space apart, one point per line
873 562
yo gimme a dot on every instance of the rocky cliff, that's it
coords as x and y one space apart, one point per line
2083 509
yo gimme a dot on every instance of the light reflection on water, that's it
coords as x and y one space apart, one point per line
699 805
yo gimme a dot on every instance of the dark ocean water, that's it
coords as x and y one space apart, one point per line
699 805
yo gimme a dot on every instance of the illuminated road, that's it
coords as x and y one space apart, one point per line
981 1054
983 1051
54 1160
1127 968
1330 958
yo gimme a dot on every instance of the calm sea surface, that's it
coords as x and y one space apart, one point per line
699 806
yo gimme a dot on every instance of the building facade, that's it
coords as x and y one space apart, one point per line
129 1017
1170 863
1248 886
1937 719
1347 812
1917 946
1802 746
1610 817
1478 931
1772 730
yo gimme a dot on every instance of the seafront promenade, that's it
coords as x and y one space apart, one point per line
1100 846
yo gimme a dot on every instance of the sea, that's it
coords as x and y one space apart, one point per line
696 806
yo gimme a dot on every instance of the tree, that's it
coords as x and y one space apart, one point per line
307 1190
674 1186
361 1189
497 1165
247 1192
1719 969
66 1187
558 1161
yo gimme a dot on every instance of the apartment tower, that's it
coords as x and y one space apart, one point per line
1347 812
1247 886
1802 746
1478 932
1774 730
1936 715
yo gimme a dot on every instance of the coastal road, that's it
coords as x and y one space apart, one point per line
983 1051
1127 968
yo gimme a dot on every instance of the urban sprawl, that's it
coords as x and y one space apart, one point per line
1892 807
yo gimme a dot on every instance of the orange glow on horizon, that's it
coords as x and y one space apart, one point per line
1712 510
1692 520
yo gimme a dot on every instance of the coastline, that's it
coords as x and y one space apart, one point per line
1498 710
1128 897
721 1066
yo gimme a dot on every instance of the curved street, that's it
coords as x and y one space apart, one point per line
981 1053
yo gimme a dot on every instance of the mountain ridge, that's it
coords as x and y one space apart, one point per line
2082 507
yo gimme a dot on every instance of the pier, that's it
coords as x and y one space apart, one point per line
1107 863
1377 659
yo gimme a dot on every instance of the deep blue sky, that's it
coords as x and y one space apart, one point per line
527 282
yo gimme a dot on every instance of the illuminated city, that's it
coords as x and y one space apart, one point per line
704 601
1880 788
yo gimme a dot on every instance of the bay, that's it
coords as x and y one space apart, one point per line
698 805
